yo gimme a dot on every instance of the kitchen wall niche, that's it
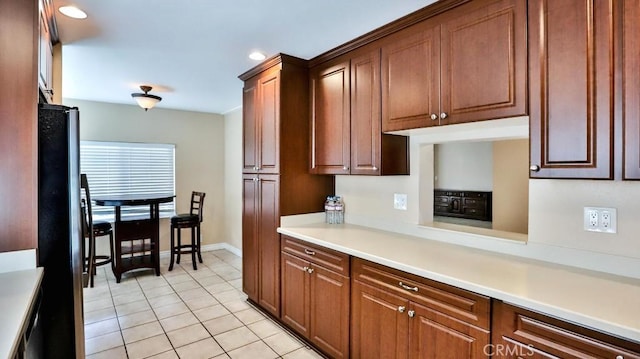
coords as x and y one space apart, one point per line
499 167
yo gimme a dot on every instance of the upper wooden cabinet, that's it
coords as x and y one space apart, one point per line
45 50
19 125
631 89
261 116
571 73
346 135
330 118
276 179
468 64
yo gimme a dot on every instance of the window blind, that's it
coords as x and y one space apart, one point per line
118 168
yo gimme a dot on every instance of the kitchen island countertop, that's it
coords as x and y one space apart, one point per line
599 301
18 291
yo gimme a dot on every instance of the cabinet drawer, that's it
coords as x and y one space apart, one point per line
545 336
328 258
467 306
474 202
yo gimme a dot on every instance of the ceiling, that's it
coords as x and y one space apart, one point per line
192 51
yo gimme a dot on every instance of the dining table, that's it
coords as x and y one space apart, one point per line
137 240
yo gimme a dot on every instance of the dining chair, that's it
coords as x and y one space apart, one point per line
190 220
99 229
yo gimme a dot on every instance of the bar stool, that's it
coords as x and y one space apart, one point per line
100 229
188 220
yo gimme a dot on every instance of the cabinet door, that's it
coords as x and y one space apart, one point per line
631 83
570 87
250 128
269 243
295 293
330 119
365 114
269 118
484 62
329 312
45 57
411 78
432 333
379 323
250 249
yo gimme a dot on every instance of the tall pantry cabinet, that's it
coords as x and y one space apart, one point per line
276 181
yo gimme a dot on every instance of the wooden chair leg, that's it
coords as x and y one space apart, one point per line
193 248
92 259
179 247
173 248
113 254
198 247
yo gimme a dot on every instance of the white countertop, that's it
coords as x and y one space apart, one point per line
17 292
595 300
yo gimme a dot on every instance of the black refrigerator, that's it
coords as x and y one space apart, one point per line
61 327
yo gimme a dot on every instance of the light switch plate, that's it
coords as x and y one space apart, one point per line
400 201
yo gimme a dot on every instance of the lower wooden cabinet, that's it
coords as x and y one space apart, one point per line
260 241
521 333
315 299
379 325
398 315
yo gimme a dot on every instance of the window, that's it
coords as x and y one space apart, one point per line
128 168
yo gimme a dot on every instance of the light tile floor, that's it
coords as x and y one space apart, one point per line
183 314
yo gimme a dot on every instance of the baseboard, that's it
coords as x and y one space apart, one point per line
211 247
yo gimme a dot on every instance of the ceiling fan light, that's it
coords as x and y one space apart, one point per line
146 100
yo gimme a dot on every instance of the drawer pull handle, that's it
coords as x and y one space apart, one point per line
404 286
401 309
619 357
411 313
309 252
306 269
309 270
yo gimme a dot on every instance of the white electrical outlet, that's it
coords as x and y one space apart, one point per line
400 201
597 219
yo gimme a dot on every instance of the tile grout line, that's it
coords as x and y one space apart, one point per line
183 301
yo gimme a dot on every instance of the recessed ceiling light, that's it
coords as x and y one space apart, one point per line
73 12
258 56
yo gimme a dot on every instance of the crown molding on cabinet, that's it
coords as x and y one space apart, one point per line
394 26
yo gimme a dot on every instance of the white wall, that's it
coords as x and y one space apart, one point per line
200 161
464 166
555 214
233 178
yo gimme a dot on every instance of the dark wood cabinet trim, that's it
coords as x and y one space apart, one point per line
397 25
631 89
537 333
271 62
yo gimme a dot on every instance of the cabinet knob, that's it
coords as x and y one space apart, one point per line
434 116
534 168
401 309
305 269
309 270
255 179
619 357
345 168
309 252
411 313
374 168
443 115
